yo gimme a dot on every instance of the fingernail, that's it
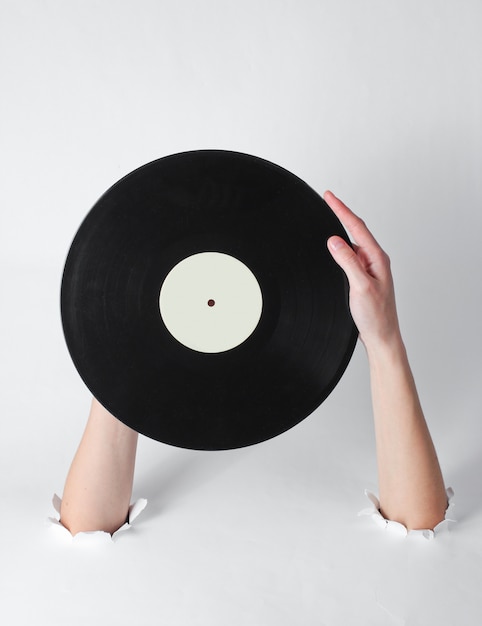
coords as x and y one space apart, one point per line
336 244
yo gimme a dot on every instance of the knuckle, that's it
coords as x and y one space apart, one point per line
358 224
382 258
386 263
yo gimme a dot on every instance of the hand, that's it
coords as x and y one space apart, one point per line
367 266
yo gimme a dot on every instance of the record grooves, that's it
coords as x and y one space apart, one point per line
283 334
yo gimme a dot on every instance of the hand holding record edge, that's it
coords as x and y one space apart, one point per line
367 266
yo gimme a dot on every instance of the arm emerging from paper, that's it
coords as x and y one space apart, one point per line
411 486
98 488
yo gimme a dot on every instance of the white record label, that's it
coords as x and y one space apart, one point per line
210 302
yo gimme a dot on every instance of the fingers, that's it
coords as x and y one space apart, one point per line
348 260
342 253
367 260
354 225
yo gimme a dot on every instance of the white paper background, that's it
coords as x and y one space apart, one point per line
379 100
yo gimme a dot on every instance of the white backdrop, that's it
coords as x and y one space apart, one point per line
379 100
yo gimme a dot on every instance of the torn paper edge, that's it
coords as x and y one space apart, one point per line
401 530
134 511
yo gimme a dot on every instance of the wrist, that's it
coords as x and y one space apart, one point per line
386 349
105 423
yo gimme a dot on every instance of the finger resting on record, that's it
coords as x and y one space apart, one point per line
347 258
354 224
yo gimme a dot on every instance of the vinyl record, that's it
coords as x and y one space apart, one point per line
200 304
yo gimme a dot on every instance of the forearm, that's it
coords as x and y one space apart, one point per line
411 485
410 481
99 484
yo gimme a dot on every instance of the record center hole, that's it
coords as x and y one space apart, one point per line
211 302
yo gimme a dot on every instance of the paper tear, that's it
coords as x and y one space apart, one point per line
401 530
94 536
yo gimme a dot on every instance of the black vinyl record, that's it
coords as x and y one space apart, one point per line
261 379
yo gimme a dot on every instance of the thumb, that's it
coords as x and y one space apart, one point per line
347 259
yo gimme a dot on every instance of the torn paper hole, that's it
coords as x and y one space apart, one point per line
399 529
94 536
